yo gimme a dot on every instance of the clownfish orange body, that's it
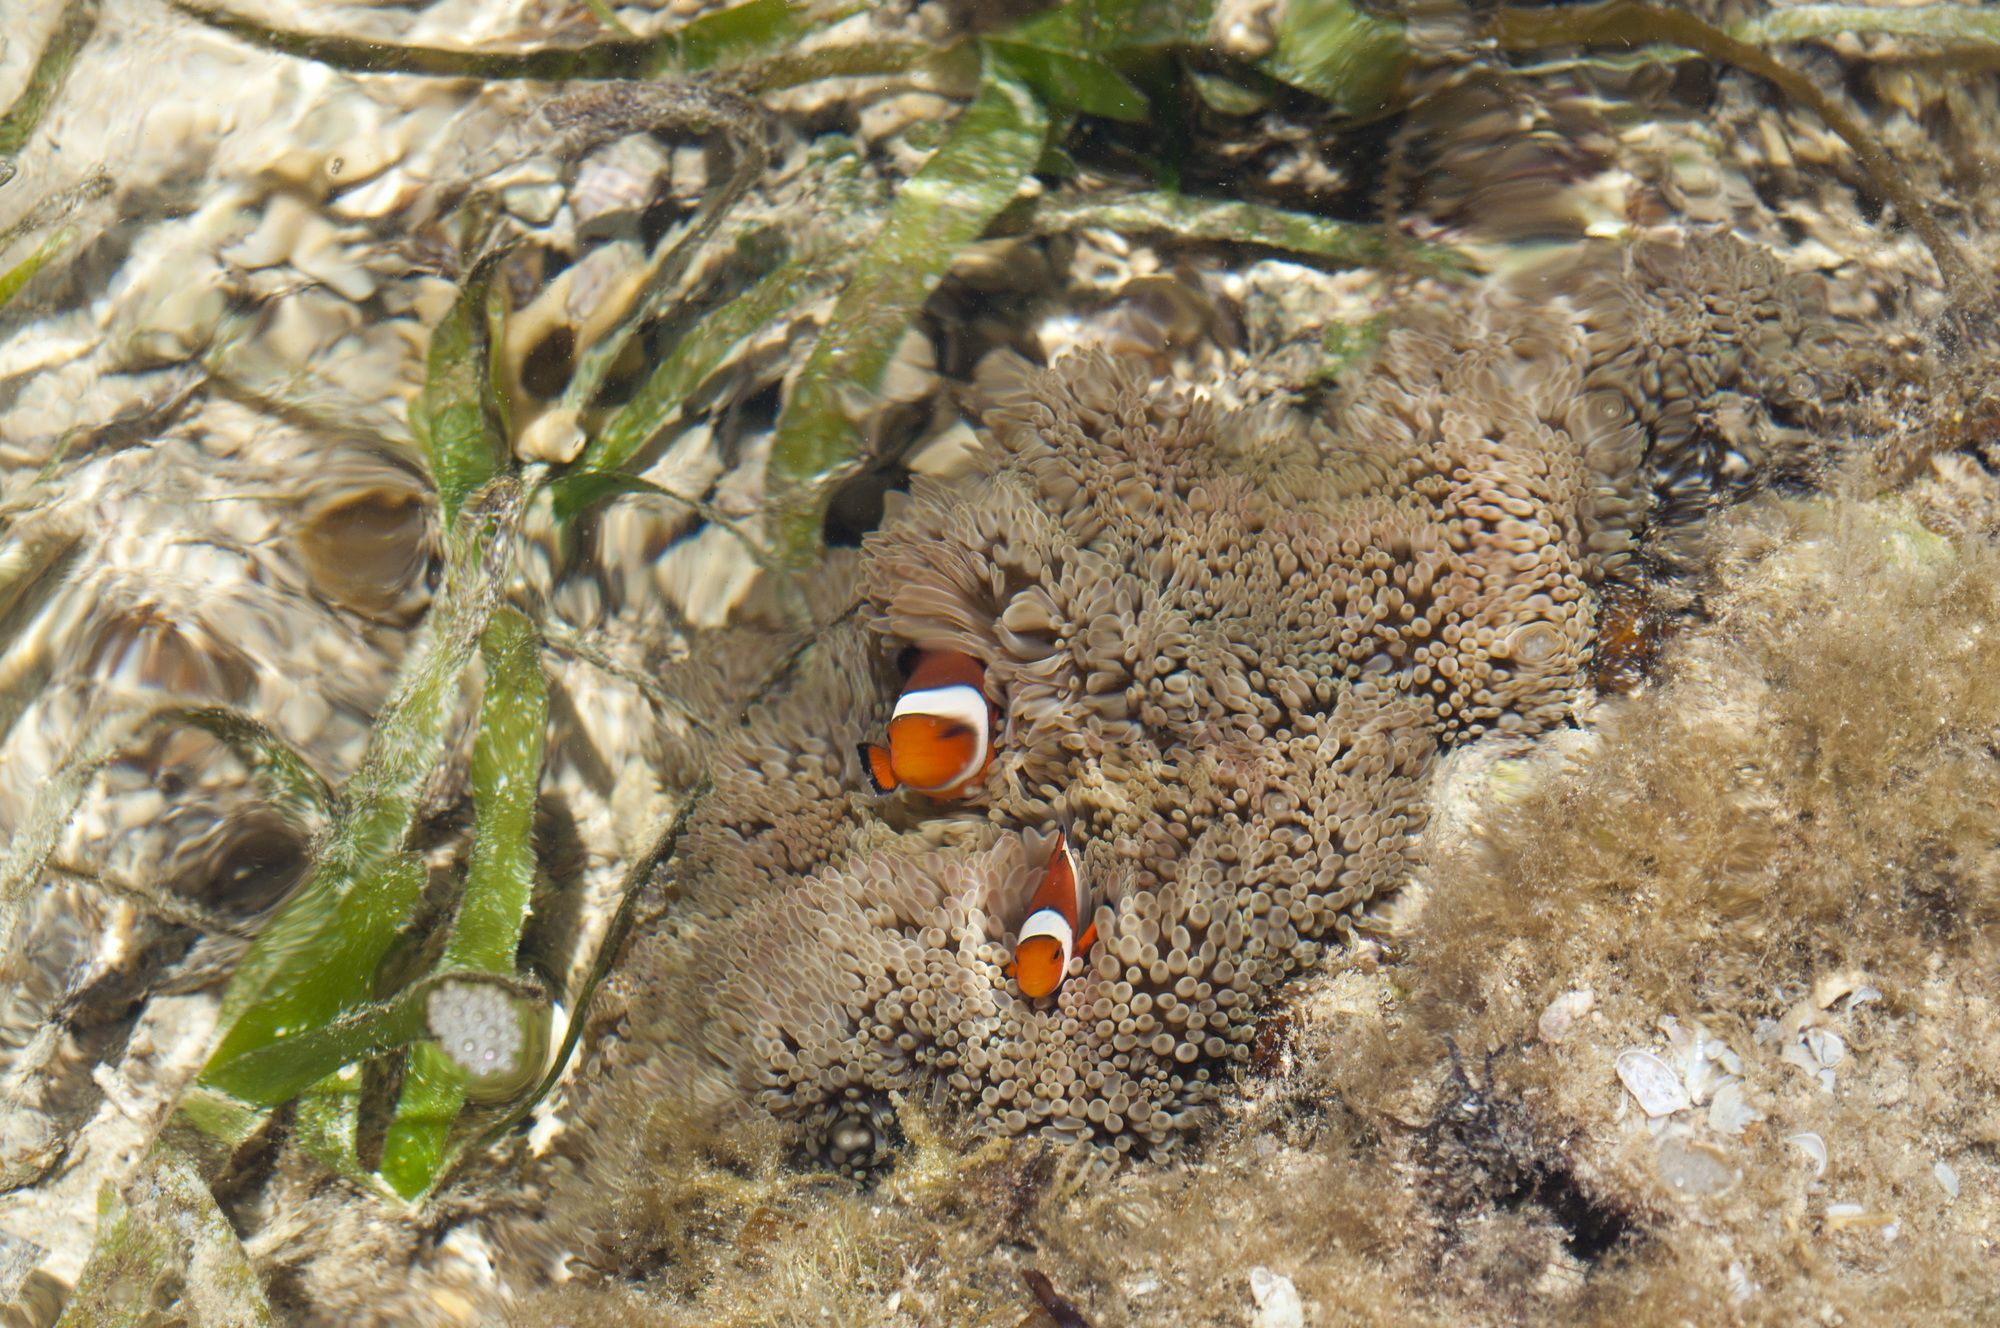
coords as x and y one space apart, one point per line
941 733
1048 937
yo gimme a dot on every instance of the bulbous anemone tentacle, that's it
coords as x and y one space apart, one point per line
1229 647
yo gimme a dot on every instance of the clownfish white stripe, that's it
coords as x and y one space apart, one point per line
960 703
1048 922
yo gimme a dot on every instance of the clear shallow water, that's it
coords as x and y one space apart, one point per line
262 511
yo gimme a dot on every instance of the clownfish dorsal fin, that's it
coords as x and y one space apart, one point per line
931 668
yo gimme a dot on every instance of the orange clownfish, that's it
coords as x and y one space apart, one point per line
1048 937
941 734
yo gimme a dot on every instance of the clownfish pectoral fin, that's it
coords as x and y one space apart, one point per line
881 775
1085 941
1012 969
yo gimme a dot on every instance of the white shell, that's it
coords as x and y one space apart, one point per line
1653 1083
1827 1047
1947 1179
1813 1147
1698 1170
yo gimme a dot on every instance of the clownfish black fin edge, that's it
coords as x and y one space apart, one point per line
869 756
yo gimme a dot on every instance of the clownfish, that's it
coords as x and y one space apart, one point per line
941 734
1048 937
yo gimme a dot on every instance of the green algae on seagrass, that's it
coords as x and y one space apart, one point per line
23 272
689 365
712 41
79 21
992 148
168 1239
1079 55
1975 25
315 961
453 420
499 879
1345 243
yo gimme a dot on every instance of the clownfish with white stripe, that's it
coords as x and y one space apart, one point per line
1048 937
941 733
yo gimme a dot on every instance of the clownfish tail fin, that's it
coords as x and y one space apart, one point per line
875 761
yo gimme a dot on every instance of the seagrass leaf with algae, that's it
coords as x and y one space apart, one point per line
715 40
685 369
166 1238
493 907
453 419
315 961
990 152
17 124
16 277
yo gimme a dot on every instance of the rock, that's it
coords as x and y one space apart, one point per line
1562 1014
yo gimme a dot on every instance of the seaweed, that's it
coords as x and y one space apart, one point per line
166 1236
19 275
684 371
79 21
1304 234
1945 23
643 108
454 420
711 41
992 148
506 772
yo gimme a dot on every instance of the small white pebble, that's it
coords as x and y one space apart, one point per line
1652 1082
1563 1012
1947 1179
1277 1300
